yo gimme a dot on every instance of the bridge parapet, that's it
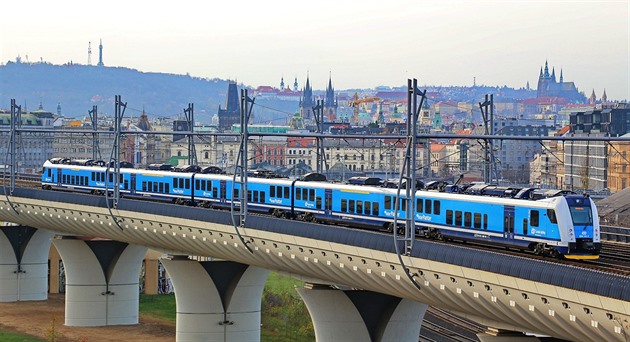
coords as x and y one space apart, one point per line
512 293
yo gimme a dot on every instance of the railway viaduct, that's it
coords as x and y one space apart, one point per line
375 299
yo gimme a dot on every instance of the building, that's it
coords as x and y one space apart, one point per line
587 162
33 147
330 102
549 87
231 114
307 102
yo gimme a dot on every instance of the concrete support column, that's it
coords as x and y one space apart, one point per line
362 315
24 263
102 281
216 300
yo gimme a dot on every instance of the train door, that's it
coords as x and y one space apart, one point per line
508 221
133 183
328 202
59 177
223 188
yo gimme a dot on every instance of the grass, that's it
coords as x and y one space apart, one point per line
10 336
158 306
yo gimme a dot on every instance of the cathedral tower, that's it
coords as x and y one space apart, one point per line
330 103
306 103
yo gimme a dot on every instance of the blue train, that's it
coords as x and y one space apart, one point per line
555 223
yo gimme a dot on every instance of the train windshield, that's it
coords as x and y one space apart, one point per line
581 215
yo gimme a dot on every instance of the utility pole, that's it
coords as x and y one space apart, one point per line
239 215
14 140
318 112
96 153
488 120
119 112
189 113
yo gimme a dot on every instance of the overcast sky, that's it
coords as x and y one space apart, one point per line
361 43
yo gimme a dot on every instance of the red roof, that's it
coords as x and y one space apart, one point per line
544 101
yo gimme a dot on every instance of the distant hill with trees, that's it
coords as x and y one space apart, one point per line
79 87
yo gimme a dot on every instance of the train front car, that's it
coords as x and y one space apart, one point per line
579 222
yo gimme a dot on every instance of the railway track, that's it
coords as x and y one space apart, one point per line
441 325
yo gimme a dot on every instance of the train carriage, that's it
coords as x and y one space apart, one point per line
551 223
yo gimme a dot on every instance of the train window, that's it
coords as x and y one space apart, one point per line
477 220
215 193
436 207
93 176
525 226
298 193
256 196
359 207
272 191
223 191
155 187
161 187
388 202
449 217
166 189
262 197
403 204
249 195
235 194
552 215
318 202
375 209
351 206
344 205
49 173
467 219
458 218
485 221
427 206
181 183
197 185
311 194
72 180
535 218
187 183
328 203
305 194
368 208
205 185
419 205
144 186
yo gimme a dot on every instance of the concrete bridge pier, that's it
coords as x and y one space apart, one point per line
216 300
24 263
351 315
102 281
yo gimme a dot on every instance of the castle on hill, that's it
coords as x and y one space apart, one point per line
549 87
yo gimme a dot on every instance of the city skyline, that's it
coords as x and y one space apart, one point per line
362 45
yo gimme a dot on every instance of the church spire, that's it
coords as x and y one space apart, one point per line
546 70
541 73
282 83
593 98
561 78
553 75
604 96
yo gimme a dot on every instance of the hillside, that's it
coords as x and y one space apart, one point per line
78 87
